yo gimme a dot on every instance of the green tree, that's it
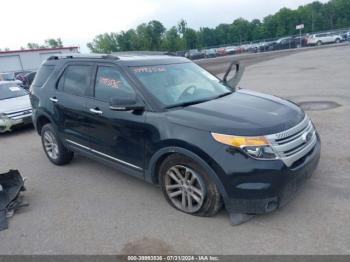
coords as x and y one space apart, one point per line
239 31
155 31
222 34
128 41
53 43
33 46
206 37
172 40
191 39
104 43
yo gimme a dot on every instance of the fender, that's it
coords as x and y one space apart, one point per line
150 171
39 114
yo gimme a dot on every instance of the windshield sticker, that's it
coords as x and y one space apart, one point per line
157 69
14 88
110 82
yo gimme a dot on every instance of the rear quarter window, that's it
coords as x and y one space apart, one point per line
43 74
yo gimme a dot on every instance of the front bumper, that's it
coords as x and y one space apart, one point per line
258 187
7 124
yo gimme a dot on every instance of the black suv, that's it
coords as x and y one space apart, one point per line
168 121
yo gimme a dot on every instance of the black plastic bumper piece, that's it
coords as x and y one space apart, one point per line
10 200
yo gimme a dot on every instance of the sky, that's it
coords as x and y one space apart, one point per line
77 22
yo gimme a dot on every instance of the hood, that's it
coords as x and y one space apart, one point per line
15 104
245 113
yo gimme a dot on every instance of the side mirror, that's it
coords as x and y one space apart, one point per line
233 74
126 102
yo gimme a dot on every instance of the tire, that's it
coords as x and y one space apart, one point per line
207 204
319 43
53 147
337 40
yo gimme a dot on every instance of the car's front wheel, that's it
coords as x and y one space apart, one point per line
53 147
187 187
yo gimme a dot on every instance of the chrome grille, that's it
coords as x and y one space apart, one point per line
294 143
19 114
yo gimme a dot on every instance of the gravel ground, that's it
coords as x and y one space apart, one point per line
89 208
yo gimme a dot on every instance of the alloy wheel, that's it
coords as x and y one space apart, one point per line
50 145
184 188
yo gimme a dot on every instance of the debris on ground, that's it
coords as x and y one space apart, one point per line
11 186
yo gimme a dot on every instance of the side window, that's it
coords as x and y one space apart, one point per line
76 79
44 72
110 83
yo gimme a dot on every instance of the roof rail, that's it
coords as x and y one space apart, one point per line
140 53
83 56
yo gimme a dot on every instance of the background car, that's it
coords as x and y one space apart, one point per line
221 51
284 43
209 53
194 54
324 38
231 50
180 53
346 36
15 107
10 77
266 46
300 41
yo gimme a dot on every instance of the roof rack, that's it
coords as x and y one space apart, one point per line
141 53
83 56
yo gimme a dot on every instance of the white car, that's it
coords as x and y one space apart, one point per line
324 38
15 107
10 77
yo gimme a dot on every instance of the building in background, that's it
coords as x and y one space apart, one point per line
31 59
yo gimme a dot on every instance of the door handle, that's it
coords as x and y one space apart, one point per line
54 99
96 111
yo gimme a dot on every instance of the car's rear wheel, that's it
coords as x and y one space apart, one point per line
319 43
337 40
187 187
53 147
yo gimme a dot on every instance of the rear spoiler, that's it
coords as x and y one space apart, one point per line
233 82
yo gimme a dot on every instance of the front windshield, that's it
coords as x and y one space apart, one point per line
8 91
177 84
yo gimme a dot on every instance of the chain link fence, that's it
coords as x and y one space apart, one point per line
272 44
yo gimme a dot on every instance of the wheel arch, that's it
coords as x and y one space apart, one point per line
42 120
151 173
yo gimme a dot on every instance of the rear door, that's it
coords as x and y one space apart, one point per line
70 102
117 136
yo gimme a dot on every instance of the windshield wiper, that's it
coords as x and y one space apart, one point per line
189 103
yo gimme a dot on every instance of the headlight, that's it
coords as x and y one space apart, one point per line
255 146
261 152
3 119
3 116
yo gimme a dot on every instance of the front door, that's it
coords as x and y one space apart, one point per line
115 135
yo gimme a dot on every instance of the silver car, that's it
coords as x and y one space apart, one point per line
15 107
